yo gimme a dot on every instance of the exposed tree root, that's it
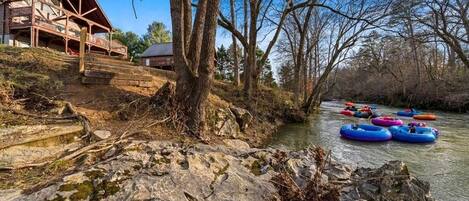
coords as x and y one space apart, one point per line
72 115
93 148
315 189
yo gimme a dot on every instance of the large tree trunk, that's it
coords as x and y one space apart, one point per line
245 34
251 67
413 44
194 68
235 45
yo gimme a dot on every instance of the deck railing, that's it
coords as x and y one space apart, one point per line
53 19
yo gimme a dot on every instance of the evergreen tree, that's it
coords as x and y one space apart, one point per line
135 44
224 64
266 76
157 33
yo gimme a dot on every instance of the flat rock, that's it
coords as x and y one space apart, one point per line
236 144
18 135
163 170
102 134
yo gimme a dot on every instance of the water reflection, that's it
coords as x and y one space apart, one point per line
444 163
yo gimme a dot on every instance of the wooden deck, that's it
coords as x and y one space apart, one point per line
49 18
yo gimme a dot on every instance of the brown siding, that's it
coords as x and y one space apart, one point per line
157 61
2 21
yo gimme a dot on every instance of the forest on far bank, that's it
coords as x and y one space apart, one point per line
401 53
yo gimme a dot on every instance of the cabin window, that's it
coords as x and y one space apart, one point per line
147 62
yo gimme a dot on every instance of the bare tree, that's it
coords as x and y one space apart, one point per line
300 64
449 20
354 18
260 12
235 45
194 65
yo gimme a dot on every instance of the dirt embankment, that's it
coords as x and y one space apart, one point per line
38 80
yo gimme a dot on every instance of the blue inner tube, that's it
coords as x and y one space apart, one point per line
421 135
365 115
407 114
368 133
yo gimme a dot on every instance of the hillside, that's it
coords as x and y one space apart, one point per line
37 80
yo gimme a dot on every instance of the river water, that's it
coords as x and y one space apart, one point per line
445 163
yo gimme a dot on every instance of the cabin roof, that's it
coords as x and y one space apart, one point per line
160 49
98 16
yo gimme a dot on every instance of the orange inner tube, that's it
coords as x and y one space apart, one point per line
349 104
425 117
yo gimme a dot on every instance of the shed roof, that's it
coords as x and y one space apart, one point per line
160 49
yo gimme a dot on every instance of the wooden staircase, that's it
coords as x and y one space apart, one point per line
107 70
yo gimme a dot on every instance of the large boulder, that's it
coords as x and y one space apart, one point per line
390 182
222 122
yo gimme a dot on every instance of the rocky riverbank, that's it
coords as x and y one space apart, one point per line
163 170
61 140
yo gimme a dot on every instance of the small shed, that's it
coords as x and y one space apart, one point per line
159 56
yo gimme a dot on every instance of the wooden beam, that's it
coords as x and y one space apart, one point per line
36 42
31 43
63 17
75 15
110 42
79 7
90 11
66 45
90 39
33 12
73 7
83 34
66 26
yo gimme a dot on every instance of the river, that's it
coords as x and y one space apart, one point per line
445 163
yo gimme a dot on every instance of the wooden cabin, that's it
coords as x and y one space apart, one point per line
56 24
158 56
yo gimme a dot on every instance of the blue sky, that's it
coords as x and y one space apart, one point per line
121 14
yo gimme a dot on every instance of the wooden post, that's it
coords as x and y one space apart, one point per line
33 17
79 7
31 43
33 12
83 34
90 39
66 45
66 34
66 25
110 42
36 40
